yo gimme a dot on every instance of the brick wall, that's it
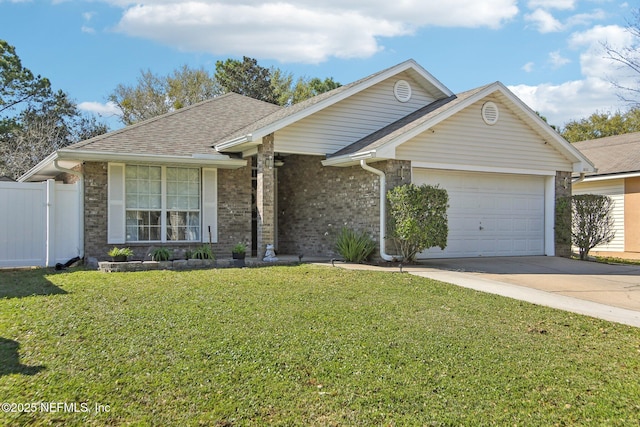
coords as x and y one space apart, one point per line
563 237
234 209
265 194
234 214
315 202
95 210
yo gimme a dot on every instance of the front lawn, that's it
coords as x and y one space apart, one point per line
304 345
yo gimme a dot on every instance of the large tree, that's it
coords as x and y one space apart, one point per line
628 58
288 93
18 85
273 85
247 78
36 121
41 130
600 125
153 95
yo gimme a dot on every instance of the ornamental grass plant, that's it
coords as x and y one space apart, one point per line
354 246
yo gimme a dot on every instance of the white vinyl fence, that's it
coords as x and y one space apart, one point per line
39 223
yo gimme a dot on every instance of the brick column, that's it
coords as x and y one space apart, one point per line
562 224
265 195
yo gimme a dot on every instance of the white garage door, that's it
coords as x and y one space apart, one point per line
489 214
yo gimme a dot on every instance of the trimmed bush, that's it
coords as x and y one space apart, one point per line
418 218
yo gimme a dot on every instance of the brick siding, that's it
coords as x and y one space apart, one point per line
563 189
315 202
234 214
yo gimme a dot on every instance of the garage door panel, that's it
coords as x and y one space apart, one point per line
489 214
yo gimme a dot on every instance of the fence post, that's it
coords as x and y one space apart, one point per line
50 243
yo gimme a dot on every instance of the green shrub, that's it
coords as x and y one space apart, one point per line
354 246
120 252
592 223
240 248
418 218
160 254
202 252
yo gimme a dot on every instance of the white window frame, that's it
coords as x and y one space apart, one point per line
116 200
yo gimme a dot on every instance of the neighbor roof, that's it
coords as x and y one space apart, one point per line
613 154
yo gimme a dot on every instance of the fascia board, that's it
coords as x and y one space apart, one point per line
219 160
337 161
427 76
353 159
47 161
611 177
227 145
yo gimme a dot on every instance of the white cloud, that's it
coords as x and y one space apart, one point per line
594 61
544 21
528 67
558 60
301 30
586 18
88 30
568 101
104 110
552 4
577 99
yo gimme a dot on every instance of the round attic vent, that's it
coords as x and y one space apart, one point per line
402 90
490 113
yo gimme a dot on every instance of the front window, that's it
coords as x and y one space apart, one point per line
162 203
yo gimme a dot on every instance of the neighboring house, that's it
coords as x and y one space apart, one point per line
237 169
617 159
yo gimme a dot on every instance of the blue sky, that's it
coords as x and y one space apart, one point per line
548 52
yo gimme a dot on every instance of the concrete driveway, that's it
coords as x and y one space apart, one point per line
610 292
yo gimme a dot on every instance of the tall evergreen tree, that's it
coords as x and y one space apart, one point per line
36 120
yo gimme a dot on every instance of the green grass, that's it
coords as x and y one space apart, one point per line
303 345
615 260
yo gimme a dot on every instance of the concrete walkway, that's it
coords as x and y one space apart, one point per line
609 292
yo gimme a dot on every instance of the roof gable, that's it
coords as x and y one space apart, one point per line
383 144
253 133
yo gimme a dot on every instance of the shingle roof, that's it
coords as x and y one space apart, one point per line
614 154
189 130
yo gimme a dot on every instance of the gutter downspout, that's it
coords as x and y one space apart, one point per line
80 175
383 210
582 177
